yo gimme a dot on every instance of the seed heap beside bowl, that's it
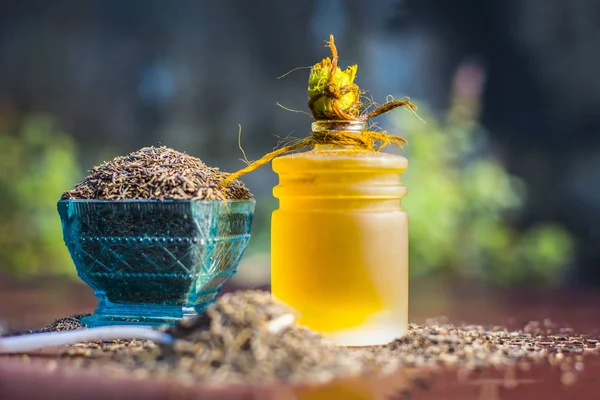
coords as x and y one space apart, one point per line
155 235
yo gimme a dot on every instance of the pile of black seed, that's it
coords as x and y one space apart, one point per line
62 324
65 324
230 343
156 173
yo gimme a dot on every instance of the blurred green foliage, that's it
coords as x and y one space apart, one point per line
461 206
37 163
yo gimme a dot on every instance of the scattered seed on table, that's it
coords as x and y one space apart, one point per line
229 343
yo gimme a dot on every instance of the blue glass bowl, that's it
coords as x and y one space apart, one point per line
154 262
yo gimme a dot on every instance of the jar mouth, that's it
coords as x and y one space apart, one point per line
356 126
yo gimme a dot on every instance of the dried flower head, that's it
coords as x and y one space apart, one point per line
333 92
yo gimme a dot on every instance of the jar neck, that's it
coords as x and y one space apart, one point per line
339 126
334 126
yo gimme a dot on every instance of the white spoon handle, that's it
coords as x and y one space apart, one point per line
37 341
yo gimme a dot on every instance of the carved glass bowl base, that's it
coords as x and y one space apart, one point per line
154 262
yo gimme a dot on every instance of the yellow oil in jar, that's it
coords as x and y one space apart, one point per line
339 243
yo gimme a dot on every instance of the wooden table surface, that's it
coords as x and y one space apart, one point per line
33 304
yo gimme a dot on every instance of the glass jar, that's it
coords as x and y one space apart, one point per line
340 240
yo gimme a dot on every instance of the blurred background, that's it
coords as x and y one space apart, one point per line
504 176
